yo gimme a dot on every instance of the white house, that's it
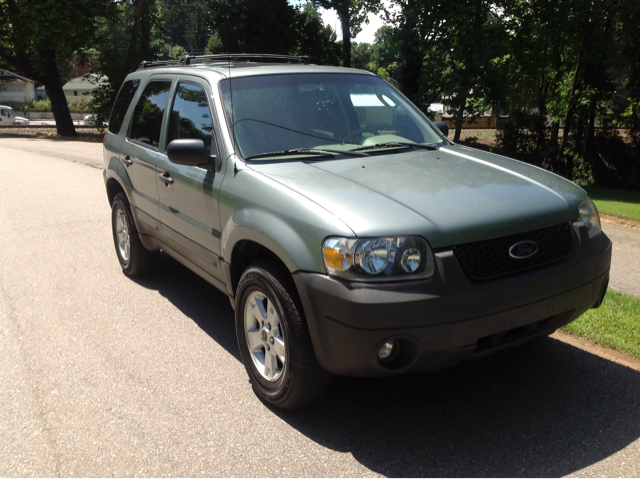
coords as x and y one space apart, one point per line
81 88
14 87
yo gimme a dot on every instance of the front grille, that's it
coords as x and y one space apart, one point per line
490 259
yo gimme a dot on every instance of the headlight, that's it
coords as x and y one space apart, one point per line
378 259
589 216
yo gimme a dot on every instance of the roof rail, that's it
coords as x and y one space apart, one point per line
223 58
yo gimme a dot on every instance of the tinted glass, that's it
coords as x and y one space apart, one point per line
147 118
190 115
125 95
274 113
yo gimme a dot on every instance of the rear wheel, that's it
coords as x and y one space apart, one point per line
134 258
274 339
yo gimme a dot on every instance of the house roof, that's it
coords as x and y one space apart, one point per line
8 76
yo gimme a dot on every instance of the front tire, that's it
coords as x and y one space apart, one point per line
274 339
134 258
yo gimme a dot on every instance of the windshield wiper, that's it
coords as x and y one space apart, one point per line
317 152
391 144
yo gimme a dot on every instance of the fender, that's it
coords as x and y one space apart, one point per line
289 225
270 231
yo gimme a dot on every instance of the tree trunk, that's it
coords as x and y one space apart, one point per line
589 153
346 35
553 146
53 86
459 118
411 66
567 162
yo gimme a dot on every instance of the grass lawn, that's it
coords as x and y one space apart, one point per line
616 324
625 204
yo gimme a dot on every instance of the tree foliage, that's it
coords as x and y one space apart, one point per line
39 36
564 74
352 14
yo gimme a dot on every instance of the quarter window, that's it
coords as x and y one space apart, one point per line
147 117
190 115
125 95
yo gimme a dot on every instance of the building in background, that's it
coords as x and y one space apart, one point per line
81 88
16 88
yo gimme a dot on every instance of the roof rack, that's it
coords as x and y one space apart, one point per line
223 58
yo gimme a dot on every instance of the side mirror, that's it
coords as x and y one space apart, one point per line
442 126
190 152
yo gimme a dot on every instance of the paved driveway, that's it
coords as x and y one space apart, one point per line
625 261
101 375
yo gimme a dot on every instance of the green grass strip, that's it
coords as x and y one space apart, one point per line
616 324
625 204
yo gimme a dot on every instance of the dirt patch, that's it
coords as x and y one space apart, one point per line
616 220
586 345
481 138
84 134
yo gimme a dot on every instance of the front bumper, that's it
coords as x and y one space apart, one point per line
447 318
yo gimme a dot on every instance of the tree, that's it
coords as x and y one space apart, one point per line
315 39
38 35
352 13
256 26
132 34
384 52
186 23
449 50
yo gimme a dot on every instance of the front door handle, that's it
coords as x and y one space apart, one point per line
127 161
166 178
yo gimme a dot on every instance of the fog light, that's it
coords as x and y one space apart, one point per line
388 350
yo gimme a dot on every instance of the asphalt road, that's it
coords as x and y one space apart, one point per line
105 376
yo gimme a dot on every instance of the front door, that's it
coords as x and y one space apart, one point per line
188 195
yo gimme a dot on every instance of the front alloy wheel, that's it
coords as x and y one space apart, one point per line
274 339
264 338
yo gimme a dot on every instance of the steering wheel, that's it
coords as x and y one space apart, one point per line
355 133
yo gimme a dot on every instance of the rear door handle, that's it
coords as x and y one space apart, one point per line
127 161
166 178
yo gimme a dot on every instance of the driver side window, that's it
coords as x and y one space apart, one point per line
190 115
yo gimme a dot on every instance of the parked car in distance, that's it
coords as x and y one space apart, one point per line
9 117
350 235
90 120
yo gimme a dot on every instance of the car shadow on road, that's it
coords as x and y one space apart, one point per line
546 409
204 304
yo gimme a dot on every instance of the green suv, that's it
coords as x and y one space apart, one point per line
351 236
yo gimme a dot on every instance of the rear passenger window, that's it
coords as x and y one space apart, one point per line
147 118
125 95
190 115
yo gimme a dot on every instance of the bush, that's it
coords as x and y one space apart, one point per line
82 106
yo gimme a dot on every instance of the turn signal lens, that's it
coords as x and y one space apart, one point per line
332 258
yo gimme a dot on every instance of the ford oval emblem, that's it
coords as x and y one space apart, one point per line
523 249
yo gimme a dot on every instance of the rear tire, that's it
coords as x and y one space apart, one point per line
274 339
134 258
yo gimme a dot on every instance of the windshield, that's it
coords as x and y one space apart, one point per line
329 112
13 113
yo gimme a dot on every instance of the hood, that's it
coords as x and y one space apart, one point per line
21 119
450 196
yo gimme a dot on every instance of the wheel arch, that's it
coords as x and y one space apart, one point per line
251 235
113 188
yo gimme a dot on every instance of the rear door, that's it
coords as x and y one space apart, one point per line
188 195
139 152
